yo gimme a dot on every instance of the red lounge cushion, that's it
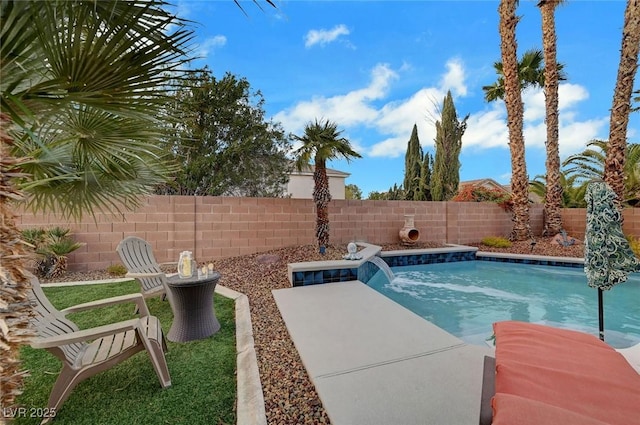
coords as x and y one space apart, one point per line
568 370
509 409
559 349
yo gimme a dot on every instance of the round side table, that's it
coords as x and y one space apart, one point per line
194 316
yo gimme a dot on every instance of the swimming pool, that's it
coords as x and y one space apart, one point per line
466 297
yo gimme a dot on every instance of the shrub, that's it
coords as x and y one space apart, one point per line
51 247
634 243
483 194
496 242
117 270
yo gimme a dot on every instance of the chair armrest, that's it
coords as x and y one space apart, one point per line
137 298
85 334
142 275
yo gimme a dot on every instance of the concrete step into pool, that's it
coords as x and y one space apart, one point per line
374 362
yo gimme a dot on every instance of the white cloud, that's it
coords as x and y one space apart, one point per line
204 49
454 78
569 96
393 120
397 120
388 123
324 36
422 108
351 109
488 129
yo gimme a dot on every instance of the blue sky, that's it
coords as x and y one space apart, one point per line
376 68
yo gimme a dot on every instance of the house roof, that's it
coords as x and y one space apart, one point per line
309 169
487 183
492 184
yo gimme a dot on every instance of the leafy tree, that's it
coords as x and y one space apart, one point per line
614 166
446 165
377 196
322 142
413 166
352 192
222 141
396 193
83 88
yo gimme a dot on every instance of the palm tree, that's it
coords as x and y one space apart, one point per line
530 71
515 111
589 165
553 194
621 108
83 87
322 142
572 192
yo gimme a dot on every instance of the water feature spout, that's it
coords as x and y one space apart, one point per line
382 265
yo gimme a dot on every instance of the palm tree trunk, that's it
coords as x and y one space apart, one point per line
15 312
553 195
321 197
614 163
515 111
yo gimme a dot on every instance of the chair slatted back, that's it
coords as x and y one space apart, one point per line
48 321
137 256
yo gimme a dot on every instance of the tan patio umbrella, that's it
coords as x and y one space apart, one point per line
608 258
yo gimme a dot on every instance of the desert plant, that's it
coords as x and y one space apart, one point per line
496 242
117 270
33 236
634 243
51 246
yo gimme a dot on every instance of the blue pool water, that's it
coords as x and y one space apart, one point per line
465 298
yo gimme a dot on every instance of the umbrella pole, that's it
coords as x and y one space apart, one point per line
600 314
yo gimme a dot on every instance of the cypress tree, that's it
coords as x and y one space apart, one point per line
425 179
446 165
412 166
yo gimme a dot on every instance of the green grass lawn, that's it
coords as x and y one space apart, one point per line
203 380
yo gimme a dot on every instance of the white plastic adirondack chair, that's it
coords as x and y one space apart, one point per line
85 353
137 256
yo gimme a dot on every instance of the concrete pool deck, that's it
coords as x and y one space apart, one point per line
374 362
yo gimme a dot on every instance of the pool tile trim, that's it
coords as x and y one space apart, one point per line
319 272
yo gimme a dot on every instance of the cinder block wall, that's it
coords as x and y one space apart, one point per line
575 221
220 227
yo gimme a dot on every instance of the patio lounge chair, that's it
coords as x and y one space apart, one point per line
546 375
85 353
137 256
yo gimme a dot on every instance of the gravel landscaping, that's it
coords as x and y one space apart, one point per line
290 397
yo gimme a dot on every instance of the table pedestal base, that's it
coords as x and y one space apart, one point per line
193 310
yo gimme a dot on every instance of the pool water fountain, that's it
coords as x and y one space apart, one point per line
465 298
383 266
